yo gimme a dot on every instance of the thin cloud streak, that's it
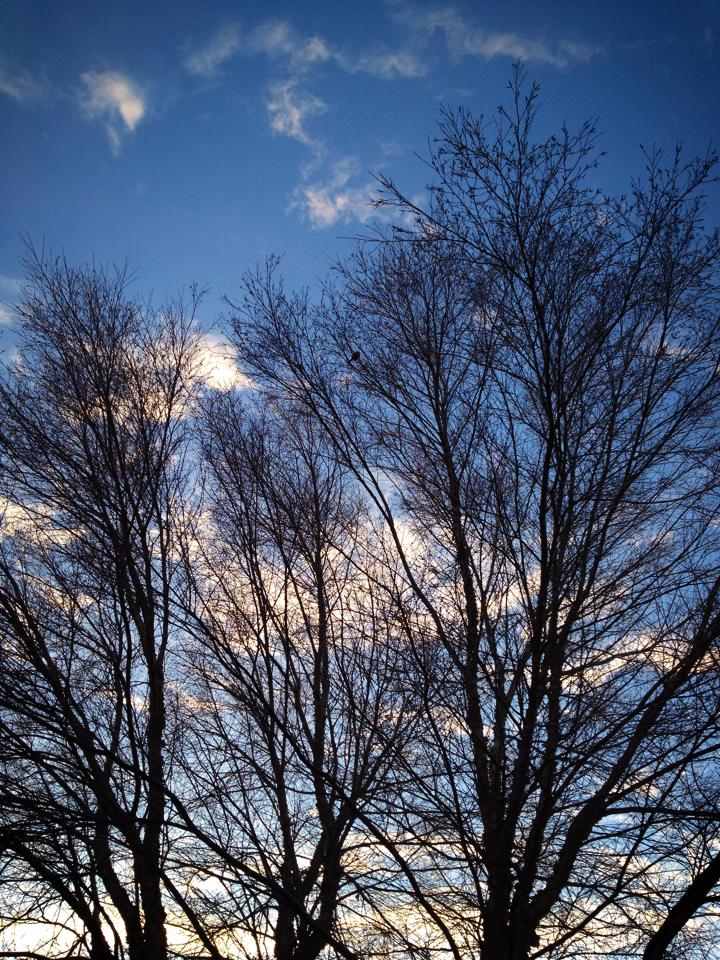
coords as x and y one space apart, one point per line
10 285
206 61
385 64
278 40
465 38
20 85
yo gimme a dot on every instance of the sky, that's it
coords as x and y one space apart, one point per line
194 139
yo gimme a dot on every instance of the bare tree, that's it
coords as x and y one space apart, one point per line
527 383
302 709
412 648
92 447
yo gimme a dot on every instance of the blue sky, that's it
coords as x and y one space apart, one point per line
194 139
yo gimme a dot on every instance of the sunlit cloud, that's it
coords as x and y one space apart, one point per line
336 200
217 368
206 60
289 107
114 98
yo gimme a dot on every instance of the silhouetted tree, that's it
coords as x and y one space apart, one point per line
410 648
536 404
92 469
302 711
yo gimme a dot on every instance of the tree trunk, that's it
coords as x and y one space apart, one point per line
683 910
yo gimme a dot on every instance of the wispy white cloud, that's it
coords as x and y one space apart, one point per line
465 38
290 104
20 85
280 41
10 285
386 64
294 56
336 200
289 107
206 60
273 37
277 39
114 98
391 148
6 317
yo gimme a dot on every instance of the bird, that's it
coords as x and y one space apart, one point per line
355 357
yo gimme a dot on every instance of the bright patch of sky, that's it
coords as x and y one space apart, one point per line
193 140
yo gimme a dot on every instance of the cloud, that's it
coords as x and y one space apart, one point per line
6 318
10 285
325 204
217 368
289 105
386 64
114 98
20 85
205 61
288 109
276 38
391 148
466 39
